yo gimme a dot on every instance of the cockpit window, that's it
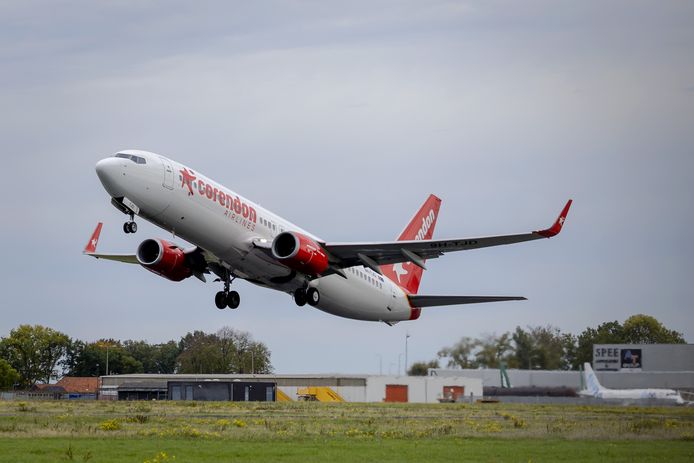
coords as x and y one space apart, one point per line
132 157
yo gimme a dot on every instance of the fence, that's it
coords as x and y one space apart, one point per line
31 395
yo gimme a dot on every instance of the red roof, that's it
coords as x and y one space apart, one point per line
53 388
79 385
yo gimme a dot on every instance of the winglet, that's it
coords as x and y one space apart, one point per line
90 248
556 228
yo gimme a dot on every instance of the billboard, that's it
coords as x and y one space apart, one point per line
643 357
630 359
616 358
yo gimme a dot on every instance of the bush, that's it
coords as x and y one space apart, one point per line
110 425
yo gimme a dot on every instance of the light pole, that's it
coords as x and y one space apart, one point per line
407 336
380 364
107 345
399 357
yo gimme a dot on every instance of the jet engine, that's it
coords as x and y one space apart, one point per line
299 252
163 258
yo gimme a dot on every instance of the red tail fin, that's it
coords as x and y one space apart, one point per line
407 275
90 248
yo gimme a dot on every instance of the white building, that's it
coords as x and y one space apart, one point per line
352 388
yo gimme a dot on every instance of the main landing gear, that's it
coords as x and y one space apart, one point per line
229 299
309 296
131 226
226 298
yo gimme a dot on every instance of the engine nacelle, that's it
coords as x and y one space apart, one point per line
163 258
300 253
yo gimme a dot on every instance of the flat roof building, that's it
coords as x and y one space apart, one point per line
350 388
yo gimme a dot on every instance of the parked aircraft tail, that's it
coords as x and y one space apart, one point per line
592 384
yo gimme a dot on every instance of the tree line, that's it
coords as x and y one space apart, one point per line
546 347
38 354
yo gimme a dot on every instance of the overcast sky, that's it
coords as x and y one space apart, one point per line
342 117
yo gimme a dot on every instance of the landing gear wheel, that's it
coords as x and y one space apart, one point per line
233 300
130 227
220 300
312 296
300 297
227 298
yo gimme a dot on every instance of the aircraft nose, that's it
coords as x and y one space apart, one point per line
108 170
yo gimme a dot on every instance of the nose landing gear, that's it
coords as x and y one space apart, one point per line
131 226
226 298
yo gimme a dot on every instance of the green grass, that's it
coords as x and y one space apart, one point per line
341 450
214 431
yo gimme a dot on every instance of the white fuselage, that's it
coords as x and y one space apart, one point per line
640 394
225 224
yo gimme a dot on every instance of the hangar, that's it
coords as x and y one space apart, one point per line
348 388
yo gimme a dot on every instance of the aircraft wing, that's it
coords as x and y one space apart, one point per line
417 251
432 301
199 260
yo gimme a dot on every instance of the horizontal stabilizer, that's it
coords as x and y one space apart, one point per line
125 258
90 249
432 301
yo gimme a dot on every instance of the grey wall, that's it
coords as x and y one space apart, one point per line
616 380
542 378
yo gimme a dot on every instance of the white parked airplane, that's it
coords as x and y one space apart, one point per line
595 389
236 238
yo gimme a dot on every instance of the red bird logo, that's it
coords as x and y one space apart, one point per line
187 179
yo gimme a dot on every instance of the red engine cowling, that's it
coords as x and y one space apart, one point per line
300 253
163 258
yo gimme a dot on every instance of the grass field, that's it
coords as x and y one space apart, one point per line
260 431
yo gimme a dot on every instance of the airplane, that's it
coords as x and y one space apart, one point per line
233 237
595 389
